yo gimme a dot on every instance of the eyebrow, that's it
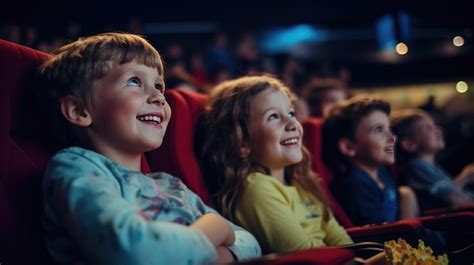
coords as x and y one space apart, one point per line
291 107
378 124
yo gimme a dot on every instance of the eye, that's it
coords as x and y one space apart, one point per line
273 116
134 81
292 114
378 129
160 87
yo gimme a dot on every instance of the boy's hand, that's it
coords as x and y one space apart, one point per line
466 176
216 228
224 255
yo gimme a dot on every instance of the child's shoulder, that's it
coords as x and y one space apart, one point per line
78 155
260 178
260 183
78 160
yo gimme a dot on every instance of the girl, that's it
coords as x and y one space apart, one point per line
260 172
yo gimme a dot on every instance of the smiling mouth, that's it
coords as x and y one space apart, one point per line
390 149
290 141
150 119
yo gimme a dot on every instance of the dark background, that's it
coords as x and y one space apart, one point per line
433 24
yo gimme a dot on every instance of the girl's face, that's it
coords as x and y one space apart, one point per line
275 134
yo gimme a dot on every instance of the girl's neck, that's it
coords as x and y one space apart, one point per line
279 174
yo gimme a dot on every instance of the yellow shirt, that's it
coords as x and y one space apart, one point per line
282 220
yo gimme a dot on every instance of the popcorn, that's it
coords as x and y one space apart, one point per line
401 253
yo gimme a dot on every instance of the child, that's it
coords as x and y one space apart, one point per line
322 94
419 142
357 144
105 93
259 172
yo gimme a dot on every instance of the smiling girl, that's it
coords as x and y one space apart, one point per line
260 173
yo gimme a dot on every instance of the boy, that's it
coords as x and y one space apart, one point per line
106 95
419 142
357 144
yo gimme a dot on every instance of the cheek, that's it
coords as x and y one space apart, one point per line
376 145
264 139
168 111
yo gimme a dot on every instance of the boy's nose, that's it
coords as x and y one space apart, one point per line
157 98
392 137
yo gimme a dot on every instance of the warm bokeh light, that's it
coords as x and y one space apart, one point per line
401 48
458 41
461 87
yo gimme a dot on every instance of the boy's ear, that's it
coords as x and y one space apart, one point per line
408 145
73 110
346 147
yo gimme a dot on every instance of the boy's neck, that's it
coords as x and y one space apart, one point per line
130 161
430 158
371 170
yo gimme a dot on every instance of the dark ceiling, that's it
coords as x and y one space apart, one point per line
427 61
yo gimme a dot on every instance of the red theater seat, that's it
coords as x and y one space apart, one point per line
22 159
312 141
176 155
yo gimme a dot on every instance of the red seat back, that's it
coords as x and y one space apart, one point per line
22 158
176 155
312 138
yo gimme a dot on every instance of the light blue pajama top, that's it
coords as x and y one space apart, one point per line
99 212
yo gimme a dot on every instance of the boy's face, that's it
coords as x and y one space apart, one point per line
374 143
275 133
129 114
428 137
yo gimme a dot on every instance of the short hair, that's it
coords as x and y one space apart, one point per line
402 122
76 68
341 123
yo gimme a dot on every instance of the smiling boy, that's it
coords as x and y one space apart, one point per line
357 145
106 98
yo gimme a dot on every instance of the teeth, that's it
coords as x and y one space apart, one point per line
290 141
150 118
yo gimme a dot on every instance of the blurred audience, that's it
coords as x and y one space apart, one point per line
322 93
419 141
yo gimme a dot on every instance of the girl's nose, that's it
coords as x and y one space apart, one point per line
292 124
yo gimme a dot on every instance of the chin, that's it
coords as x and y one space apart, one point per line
151 146
297 159
389 162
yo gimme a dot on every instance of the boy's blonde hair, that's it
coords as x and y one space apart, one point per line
75 69
225 169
